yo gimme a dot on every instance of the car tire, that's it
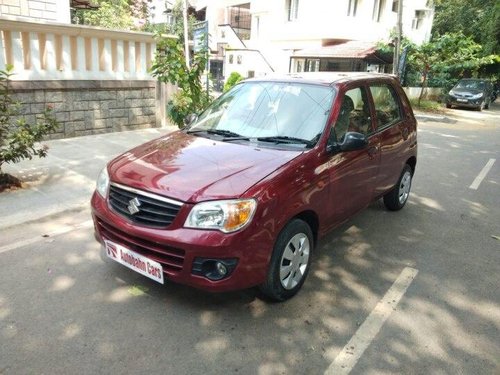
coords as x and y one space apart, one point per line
448 105
290 261
487 105
398 196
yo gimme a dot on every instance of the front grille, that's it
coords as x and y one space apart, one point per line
152 210
171 259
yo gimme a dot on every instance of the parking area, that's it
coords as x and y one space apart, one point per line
412 292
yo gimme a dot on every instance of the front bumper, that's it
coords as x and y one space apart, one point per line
464 102
179 249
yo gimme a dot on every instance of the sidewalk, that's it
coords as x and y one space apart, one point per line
65 179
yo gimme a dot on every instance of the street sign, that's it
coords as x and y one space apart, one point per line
200 36
200 41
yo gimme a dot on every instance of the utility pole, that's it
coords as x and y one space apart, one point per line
399 38
186 36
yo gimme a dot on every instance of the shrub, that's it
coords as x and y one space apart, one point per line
233 79
19 139
427 105
169 66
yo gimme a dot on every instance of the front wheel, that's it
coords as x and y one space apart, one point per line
290 261
397 197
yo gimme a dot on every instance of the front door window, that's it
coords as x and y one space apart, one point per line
354 114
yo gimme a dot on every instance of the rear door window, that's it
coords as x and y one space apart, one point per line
387 105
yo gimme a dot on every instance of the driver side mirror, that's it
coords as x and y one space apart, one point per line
351 141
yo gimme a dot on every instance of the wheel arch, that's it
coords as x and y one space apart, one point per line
412 162
310 218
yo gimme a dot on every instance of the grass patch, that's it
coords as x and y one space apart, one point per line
427 106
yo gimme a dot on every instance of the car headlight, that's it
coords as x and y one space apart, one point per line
102 183
477 96
227 215
452 93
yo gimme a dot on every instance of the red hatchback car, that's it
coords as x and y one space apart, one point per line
240 197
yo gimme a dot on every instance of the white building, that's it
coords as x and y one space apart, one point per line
57 11
259 36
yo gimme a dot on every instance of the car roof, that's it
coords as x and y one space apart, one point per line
322 78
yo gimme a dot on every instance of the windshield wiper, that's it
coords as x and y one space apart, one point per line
224 133
286 139
241 138
232 136
227 134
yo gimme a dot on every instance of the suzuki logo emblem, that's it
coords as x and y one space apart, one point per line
133 206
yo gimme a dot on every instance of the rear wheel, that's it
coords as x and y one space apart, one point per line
290 261
397 197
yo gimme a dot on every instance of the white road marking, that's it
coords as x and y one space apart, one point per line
58 232
354 349
475 184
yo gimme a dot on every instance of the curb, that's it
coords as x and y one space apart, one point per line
437 118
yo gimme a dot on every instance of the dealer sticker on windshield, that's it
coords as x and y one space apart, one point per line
134 261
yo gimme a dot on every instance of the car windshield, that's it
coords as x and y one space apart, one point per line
469 84
291 113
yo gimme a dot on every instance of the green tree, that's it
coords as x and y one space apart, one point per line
448 55
19 139
170 66
478 19
176 24
116 14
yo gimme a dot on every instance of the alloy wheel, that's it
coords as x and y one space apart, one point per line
404 187
294 262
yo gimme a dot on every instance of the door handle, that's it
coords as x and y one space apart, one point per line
405 133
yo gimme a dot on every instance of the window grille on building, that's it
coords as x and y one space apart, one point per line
352 8
418 20
292 9
241 20
378 10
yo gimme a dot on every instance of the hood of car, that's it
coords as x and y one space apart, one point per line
465 91
194 169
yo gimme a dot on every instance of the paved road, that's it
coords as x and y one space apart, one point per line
63 310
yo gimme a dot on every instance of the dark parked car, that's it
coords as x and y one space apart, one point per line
241 197
472 93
